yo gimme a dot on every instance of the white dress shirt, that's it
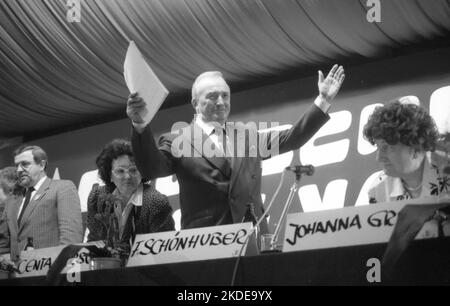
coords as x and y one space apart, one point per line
209 129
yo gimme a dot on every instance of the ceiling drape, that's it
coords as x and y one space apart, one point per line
55 73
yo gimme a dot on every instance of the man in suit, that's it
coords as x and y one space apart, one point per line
49 212
214 189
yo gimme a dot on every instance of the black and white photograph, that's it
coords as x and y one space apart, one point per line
224 148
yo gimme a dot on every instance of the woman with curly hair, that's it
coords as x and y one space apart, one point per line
405 135
126 205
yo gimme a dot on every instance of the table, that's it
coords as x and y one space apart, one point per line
426 262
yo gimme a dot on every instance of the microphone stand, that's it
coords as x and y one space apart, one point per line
287 205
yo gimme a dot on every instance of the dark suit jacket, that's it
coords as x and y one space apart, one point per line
155 214
209 194
52 218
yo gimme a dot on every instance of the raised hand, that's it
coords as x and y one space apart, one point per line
329 87
136 108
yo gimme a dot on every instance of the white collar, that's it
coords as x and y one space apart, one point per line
396 184
39 183
137 196
207 127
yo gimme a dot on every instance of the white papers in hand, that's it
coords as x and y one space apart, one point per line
140 78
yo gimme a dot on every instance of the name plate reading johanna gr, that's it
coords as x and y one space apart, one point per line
343 227
192 244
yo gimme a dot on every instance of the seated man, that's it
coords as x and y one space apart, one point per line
216 188
49 212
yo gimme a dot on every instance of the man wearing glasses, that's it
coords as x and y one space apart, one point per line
49 211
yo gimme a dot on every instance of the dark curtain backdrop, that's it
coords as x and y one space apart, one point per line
55 73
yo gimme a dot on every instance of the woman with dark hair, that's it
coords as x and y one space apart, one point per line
126 205
405 135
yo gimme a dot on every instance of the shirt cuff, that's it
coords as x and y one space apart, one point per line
139 127
322 104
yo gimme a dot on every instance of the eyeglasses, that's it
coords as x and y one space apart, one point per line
25 165
121 172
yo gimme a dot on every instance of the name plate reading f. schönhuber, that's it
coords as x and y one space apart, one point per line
191 245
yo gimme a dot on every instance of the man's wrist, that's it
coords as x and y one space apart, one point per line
322 103
139 127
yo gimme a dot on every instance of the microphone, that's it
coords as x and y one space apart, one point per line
306 169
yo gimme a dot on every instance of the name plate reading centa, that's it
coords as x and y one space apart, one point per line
37 262
192 244
342 227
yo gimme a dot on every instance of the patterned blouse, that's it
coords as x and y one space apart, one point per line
155 214
434 184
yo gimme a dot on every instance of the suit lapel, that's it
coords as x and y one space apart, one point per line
240 148
234 173
34 202
13 207
197 141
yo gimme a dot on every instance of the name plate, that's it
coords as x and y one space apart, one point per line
343 227
192 244
37 262
80 263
